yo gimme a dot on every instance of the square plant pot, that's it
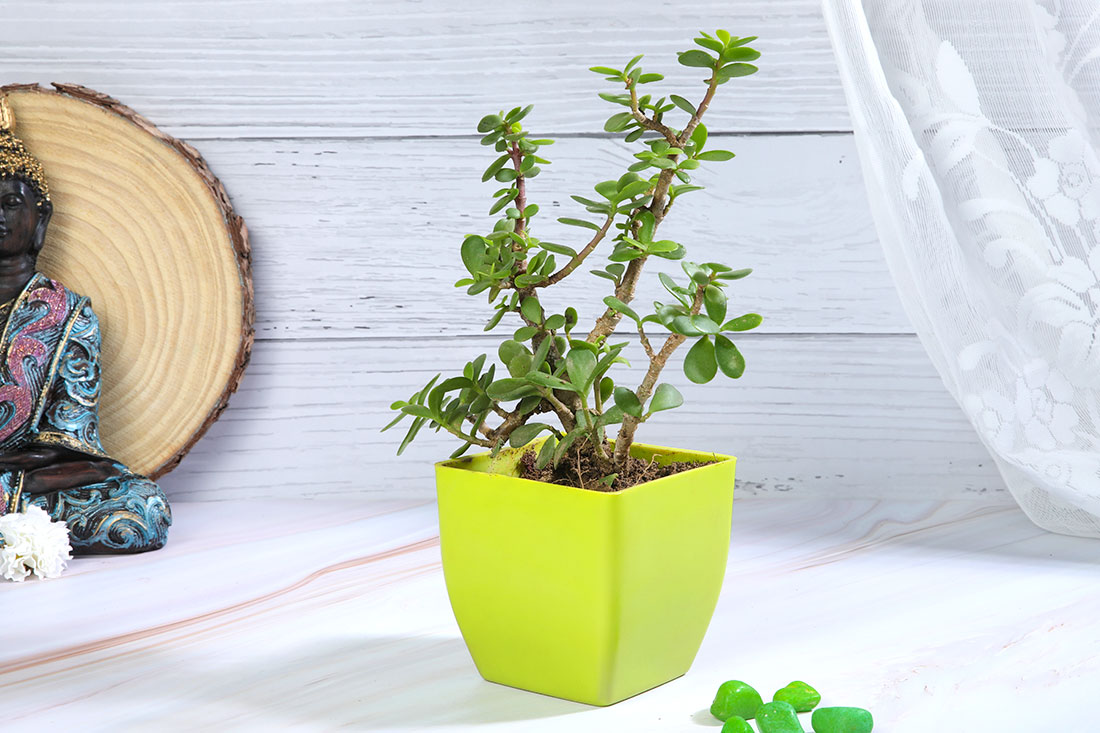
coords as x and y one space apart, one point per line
585 595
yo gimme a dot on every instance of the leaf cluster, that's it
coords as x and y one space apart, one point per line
550 377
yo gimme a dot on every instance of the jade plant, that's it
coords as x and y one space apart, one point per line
554 376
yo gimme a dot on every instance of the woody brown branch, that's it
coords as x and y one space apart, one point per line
649 382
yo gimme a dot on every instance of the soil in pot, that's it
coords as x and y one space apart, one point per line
579 469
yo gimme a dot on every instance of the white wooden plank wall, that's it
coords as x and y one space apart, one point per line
344 132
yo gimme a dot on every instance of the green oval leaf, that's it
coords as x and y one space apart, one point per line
473 252
509 349
495 166
735 70
560 249
618 121
746 322
734 274
531 309
494 320
541 353
617 305
648 225
666 397
704 324
730 360
699 364
580 364
715 301
524 434
417 411
712 44
607 387
519 365
516 114
684 326
554 322
607 189
628 402
453 383
697 58
504 201
699 137
542 379
579 223
634 188
696 273
740 54
413 430
682 103
488 122
509 389
546 453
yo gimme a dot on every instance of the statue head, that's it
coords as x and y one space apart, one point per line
25 207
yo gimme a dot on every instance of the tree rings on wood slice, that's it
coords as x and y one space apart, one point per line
143 228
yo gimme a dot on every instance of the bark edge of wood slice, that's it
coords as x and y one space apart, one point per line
144 228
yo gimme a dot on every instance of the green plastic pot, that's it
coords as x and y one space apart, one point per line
584 595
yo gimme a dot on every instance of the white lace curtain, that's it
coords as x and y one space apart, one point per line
978 127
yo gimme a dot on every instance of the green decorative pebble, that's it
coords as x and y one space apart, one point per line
801 696
735 698
842 720
778 717
737 724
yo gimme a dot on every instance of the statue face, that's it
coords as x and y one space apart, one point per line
19 218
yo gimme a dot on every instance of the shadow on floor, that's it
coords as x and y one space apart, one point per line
375 684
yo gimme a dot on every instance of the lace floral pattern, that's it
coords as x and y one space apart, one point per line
978 123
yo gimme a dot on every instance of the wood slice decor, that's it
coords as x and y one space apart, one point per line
144 229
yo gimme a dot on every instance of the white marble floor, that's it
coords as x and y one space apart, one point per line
956 617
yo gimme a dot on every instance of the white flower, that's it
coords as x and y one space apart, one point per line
1043 398
995 418
1065 181
32 543
1069 300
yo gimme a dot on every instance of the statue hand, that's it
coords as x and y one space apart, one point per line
32 457
69 475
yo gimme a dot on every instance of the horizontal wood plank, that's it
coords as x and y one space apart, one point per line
824 415
361 237
343 132
210 68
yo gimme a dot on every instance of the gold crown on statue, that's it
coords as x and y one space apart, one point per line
15 160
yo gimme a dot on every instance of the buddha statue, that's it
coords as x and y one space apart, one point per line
50 450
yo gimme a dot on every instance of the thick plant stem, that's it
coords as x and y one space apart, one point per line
610 318
560 409
659 206
607 464
702 108
576 261
521 186
649 383
468 438
646 122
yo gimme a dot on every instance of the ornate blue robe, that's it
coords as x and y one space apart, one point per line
49 394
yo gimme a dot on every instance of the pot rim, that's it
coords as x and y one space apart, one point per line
461 463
